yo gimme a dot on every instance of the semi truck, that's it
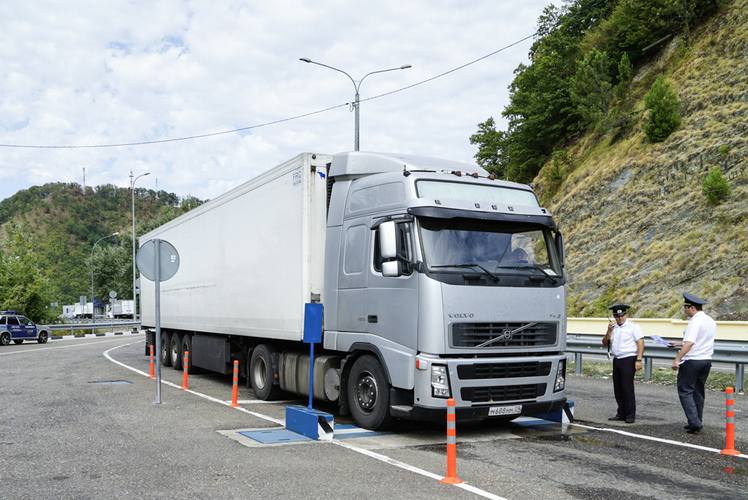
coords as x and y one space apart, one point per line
117 309
436 280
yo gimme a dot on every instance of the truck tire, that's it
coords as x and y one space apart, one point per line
5 338
43 337
263 370
175 351
165 340
187 347
369 394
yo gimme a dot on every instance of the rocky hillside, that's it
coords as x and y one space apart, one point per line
637 225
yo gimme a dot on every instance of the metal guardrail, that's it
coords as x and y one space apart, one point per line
96 326
725 351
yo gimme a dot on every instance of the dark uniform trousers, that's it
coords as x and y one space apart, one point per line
692 376
624 370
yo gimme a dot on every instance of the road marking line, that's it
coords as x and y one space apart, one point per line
199 394
659 440
411 468
368 453
37 349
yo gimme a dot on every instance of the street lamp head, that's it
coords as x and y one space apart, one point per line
305 59
115 234
405 66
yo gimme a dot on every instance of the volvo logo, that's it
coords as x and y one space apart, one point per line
505 335
461 315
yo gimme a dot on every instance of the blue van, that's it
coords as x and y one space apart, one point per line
19 328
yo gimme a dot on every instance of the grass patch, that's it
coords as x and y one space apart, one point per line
660 375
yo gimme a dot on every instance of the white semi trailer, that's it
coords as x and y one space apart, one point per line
437 281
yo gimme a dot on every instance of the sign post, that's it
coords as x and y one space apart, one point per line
308 422
158 261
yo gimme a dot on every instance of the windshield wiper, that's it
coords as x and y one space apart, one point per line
530 266
468 266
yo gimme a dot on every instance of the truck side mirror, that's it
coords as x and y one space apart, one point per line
559 239
388 243
392 269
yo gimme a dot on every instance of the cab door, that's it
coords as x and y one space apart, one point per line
392 303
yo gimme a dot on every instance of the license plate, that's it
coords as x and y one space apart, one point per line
496 411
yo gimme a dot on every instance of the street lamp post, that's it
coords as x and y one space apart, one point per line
93 305
356 86
134 274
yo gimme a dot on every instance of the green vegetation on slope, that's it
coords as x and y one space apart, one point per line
638 225
53 229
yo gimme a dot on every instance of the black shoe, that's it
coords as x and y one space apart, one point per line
686 426
630 420
693 430
617 417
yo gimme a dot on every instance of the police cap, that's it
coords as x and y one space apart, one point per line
692 300
619 310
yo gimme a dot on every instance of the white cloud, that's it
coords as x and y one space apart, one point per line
93 73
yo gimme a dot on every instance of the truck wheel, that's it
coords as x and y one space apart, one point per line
187 347
369 394
43 337
175 351
165 340
263 372
5 338
18 341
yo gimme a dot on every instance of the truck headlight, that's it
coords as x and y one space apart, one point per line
560 376
439 381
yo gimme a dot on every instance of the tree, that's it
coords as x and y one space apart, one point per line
492 154
623 89
591 89
684 11
664 111
112 267
189 202
23 287
715 187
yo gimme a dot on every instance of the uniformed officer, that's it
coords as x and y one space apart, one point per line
694 360
627 346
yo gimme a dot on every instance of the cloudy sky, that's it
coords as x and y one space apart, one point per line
205 95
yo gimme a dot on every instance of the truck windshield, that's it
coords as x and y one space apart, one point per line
490 248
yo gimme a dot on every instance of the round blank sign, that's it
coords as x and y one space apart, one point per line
168 260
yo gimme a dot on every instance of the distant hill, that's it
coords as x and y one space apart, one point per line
638 227
63 222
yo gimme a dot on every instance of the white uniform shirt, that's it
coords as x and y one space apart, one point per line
624 339
701 330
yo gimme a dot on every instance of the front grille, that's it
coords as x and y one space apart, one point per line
502 393
504 334
504 370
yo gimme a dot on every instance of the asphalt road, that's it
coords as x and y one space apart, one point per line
78 419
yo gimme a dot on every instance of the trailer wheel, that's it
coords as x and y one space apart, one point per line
165 340
175 351
5 338
263 372
43 337
187 347
369 394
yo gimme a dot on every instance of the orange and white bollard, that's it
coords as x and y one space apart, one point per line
235 390
451 445
730 445
151 375
185 366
